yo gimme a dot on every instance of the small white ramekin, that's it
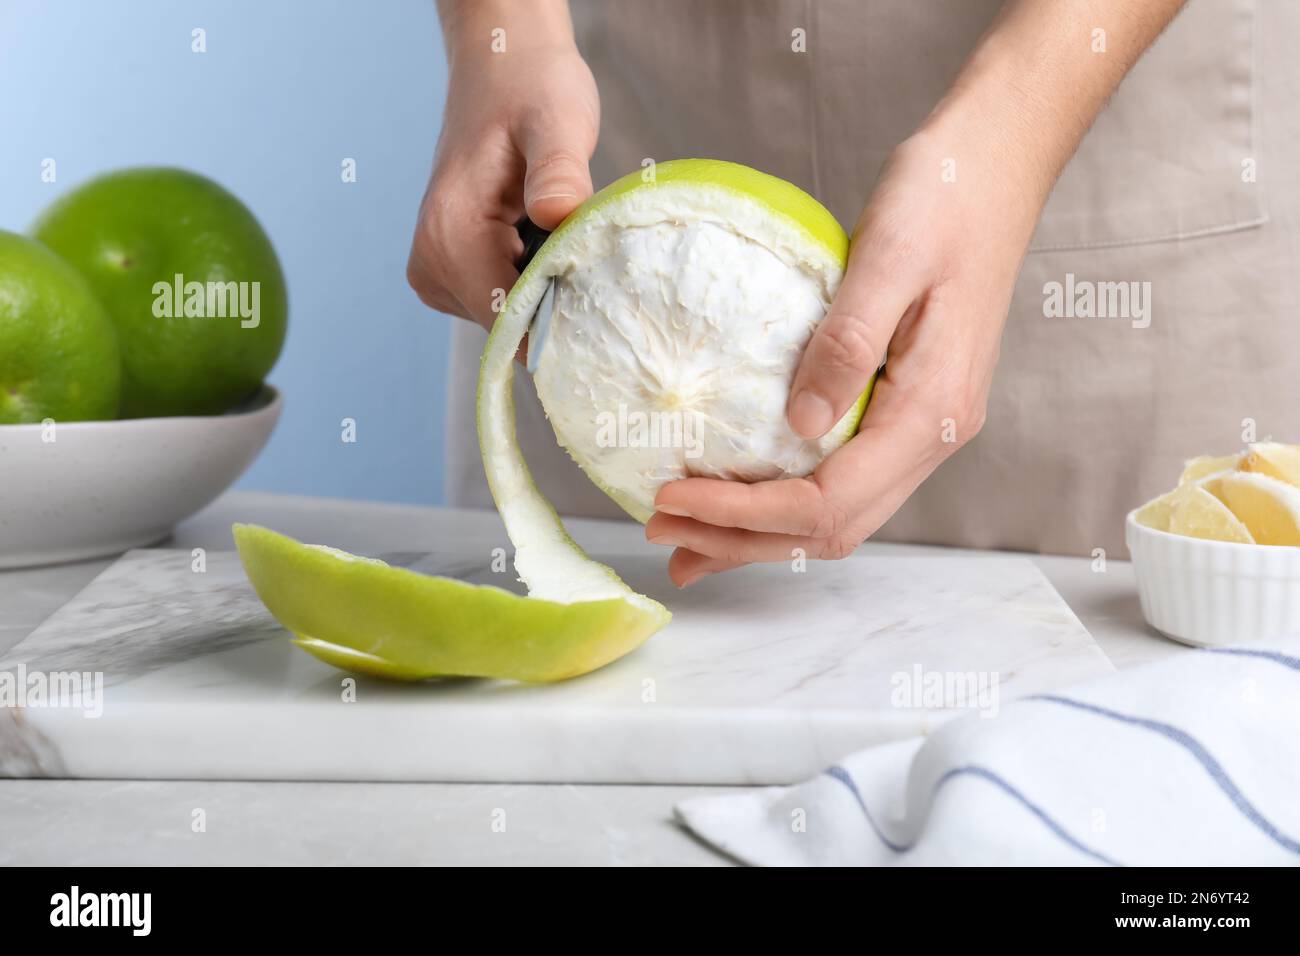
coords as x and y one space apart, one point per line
1211 593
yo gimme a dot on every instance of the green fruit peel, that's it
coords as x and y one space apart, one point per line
366 616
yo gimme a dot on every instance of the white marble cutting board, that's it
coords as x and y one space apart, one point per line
765 676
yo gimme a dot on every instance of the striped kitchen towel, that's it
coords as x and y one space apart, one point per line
1194 760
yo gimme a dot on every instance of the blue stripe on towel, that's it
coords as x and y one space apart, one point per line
1197 750
1274 656
843 776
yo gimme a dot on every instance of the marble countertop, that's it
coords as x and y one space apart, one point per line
215 822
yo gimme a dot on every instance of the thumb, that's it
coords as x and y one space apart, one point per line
850 344
557 180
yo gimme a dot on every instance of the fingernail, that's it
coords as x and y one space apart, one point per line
673 510
666 540
691 580
811 416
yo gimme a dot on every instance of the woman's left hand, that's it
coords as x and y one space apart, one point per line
930 275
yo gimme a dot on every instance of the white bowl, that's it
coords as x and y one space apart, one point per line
102 487
1211 593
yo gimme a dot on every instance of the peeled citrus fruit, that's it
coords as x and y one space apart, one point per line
1252 498
690 218
1193 511
1275 460
1206 465
684 297
1157 512
1199 514
1268 507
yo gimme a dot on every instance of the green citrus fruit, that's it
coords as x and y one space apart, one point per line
58 350
190 279
362 615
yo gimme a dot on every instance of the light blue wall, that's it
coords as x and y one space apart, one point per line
286 90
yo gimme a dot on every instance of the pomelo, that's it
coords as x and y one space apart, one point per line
190 279
58 350
745 266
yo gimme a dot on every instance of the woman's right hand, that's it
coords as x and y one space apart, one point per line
519 129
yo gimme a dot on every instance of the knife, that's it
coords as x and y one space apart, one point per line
539 326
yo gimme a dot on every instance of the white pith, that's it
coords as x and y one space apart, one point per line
671 352
631 324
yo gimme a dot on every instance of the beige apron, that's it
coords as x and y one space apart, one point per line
1088 417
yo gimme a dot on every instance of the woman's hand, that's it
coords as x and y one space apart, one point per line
931 270
519 129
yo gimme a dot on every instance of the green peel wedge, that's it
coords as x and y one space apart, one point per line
367 616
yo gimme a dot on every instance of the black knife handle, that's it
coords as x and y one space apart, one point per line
533 236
